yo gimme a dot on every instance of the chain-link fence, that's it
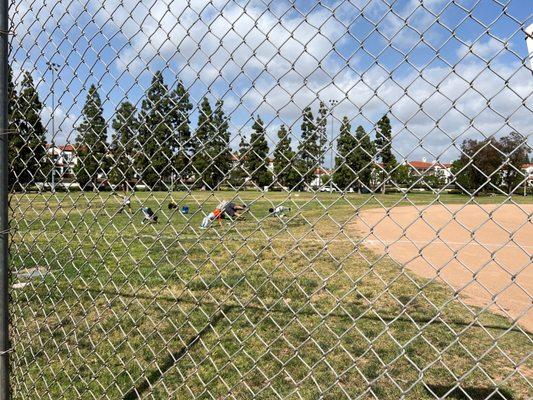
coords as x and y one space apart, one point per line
267 199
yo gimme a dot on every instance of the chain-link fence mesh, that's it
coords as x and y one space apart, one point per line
258 199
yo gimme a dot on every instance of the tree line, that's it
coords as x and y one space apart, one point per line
156 146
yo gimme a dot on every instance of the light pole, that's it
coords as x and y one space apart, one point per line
53 67
332 104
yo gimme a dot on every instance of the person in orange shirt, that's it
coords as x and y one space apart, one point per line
215 215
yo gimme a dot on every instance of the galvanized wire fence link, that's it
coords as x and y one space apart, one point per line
259 199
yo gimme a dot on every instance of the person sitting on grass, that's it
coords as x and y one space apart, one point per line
149 216
279 211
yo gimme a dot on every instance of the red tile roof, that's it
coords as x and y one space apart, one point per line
420 164
423 165
68 147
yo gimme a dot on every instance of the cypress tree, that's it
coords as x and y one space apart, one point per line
238 173
28 143
182 145
257 157
203 159
221 152
285 163
384 149
309 147
125 126
363 156
16 141
91 140
346 159
32 129
321 130
155 135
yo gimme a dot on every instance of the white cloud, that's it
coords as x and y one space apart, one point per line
274 65
63 128
486 49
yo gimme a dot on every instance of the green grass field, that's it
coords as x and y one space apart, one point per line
261 308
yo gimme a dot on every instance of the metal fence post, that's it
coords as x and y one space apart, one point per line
4 225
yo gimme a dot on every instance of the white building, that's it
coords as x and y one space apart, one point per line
419 168
528 170
320 176
65 159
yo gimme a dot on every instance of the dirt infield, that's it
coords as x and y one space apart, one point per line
480 251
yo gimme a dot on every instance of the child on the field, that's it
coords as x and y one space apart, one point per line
216 214
126 204
232 211
149 216
279 211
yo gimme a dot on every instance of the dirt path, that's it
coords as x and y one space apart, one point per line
485 252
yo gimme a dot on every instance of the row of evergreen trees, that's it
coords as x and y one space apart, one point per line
156 144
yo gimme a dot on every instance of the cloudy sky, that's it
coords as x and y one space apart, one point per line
444 70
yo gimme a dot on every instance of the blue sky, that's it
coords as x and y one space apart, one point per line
445 69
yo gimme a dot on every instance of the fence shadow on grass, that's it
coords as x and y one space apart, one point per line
169 361
468 393
285 310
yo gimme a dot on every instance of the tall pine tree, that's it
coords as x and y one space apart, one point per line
384 150
309 147
346 160
364 154
321 131
33 131
91 140
203 161
221 152
238 173
16 142
155 156
285 163
182 145
27 148
125 126
257 158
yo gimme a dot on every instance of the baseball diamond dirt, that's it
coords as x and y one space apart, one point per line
482 252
